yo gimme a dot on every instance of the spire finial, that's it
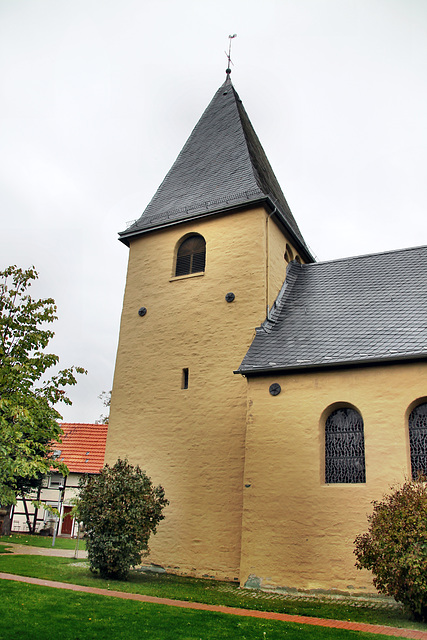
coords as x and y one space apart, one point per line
228 70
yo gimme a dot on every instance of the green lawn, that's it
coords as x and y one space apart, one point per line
208 591
42 541
43 613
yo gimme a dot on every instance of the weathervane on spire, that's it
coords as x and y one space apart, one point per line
228 70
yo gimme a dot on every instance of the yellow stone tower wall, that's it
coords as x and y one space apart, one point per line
192 440
298 531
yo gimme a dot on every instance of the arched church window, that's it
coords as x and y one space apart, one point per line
344 447
289 254
418 440
191 256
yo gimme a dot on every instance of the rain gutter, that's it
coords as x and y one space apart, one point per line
261 371
126 236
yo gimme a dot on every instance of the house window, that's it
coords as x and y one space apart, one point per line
56 480
344 447
418 440
191 256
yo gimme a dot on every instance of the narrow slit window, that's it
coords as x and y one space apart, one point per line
191 256
184 384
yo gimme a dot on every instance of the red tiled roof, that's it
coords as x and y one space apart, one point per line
82 446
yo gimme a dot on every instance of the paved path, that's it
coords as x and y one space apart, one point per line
336 624
23 549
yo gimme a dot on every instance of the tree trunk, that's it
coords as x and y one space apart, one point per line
27 515
36 510
5 521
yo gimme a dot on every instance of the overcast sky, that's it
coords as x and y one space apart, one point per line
97 98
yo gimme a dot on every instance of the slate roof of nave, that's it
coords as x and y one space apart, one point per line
364 309
221 167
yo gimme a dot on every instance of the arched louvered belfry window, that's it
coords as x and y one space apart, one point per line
418 440
344 447
191 256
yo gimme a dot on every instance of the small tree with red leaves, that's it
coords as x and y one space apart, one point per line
395 546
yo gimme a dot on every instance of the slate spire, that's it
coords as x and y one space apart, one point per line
222 167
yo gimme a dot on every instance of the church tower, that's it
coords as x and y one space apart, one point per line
207 259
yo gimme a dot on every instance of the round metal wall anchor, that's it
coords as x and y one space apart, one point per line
230 296
142 311
275 389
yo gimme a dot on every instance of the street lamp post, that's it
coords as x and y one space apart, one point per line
60 499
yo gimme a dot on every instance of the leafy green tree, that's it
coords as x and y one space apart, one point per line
28 418
119 509
395 546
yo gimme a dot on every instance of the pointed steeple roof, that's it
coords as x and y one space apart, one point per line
221 167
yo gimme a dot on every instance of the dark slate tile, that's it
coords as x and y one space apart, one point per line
222 165
360 309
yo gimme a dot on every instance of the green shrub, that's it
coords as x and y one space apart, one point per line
120 509
395 546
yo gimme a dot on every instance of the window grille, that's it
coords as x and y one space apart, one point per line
418 440
344 447
191 256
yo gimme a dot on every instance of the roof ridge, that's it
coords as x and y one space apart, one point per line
292 272
83 424
263 171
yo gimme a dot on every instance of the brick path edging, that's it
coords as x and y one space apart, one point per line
267 615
